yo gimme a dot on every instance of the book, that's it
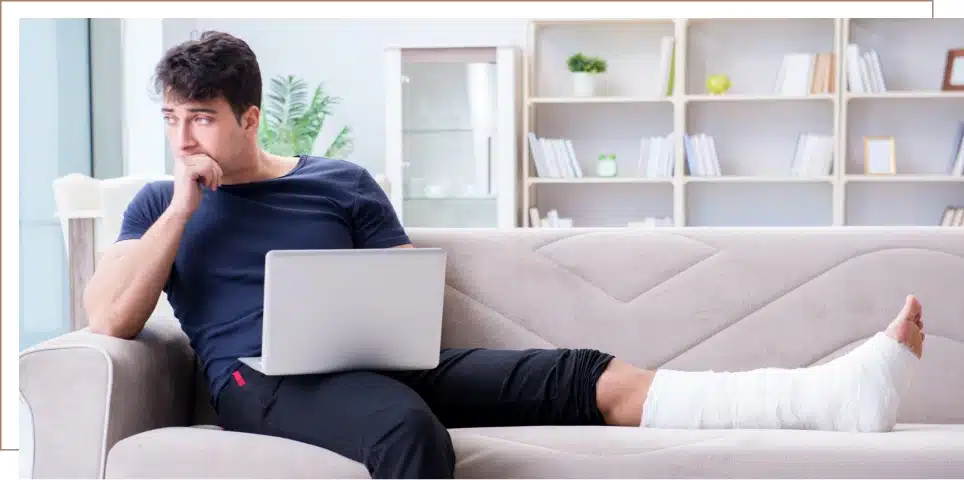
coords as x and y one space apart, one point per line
554 157
701 155
957 152
813 156
803 74
667 66
864 71
657 157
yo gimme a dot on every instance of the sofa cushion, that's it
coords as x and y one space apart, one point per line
913 450
209 452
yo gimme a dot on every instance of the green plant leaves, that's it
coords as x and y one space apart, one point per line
341 145
583 63
291 123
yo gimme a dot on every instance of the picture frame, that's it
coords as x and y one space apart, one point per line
880 156
954 71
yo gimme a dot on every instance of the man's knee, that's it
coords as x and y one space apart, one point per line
581 370
415 422
412 440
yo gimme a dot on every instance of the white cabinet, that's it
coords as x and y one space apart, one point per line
451 135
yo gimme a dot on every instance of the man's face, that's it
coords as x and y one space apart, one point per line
209 128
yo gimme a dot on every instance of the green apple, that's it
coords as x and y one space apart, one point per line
717 84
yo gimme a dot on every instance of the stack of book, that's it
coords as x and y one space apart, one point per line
813 156
657 157
551 220
953 217
803 74
864 74
554 157
701 155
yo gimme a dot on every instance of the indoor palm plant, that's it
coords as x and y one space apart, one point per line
292 117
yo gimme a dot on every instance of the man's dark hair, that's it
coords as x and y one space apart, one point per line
217 65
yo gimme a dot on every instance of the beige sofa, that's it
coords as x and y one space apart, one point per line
724 299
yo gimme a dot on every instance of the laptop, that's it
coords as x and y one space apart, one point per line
361 309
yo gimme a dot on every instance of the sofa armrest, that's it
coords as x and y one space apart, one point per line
85 392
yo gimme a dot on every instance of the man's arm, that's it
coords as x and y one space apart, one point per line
124 290
374 221
126 286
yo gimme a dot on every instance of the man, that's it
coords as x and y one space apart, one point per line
202 239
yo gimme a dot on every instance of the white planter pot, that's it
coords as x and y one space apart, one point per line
584 84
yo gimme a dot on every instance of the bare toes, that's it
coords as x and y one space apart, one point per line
908 326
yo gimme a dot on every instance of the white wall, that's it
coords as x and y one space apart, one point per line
347 55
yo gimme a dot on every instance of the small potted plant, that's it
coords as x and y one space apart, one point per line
585 71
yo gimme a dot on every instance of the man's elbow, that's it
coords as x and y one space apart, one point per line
102 323
109 331
407 245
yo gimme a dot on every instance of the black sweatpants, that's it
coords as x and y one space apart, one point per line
395 422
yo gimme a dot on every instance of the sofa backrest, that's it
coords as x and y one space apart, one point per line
720 299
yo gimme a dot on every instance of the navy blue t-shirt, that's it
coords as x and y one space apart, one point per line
216 285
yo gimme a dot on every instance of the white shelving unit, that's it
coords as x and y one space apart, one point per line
755 129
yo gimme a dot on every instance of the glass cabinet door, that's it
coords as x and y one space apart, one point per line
451 148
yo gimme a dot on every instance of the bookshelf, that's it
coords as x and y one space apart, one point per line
741 158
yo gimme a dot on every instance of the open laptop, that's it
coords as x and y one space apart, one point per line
362 309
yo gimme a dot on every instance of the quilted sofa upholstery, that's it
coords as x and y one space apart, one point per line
720 299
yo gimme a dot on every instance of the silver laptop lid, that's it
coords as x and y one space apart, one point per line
327 310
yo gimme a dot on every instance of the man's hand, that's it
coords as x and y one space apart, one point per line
189 174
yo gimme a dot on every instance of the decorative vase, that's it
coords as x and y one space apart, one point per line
584 84
606 166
